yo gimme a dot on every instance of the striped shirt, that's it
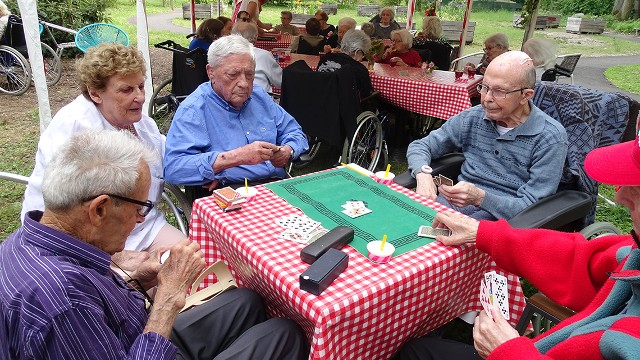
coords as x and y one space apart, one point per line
60 300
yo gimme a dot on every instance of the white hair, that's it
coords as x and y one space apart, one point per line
227 46
92 163
542 52
354 40
389 9
347 21
247 30
405 35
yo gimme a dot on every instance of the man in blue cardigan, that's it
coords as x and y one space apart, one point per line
514 153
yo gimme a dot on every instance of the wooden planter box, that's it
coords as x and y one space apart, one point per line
300 18
553 21
542 21
330 9
203 11
581 25
451 31
368 10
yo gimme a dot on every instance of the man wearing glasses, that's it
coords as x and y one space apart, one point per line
60 300
514 153
286 27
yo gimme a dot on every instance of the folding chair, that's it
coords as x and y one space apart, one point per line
565 68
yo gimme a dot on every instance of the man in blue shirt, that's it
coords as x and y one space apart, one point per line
514 153
228 130
60 300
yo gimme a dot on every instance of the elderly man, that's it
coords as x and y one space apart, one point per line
514 153
597 278
228 130
60 300
268 72
333 43
286 27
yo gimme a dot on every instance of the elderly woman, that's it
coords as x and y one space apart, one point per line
333 43
112 81
495 45
386 25
431 31
542 52
326 29
208 31
430 44
401 54
310 43
355 44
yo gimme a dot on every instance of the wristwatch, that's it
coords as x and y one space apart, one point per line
426 169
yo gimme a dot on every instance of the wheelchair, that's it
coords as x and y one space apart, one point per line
327 107
188 72
15 71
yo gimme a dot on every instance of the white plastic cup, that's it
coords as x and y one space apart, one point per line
379 177
380 256
248 193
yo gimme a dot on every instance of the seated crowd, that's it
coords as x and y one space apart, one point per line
91 225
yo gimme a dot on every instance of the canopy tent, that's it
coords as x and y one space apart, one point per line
29 15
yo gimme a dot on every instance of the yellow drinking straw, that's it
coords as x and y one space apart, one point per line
246 186
384 241
386 173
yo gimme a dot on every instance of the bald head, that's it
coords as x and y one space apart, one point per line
516 65
247 30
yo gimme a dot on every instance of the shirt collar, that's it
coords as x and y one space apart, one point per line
63 244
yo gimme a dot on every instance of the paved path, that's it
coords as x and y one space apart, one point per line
163 22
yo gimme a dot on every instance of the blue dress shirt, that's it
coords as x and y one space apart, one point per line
206 125
60 300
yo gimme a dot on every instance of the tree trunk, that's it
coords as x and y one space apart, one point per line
617 6
627 10
530 26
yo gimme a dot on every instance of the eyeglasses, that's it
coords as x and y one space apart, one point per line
144 209
488 48
497 93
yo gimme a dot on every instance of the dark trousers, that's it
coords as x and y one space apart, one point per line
234 325
436 348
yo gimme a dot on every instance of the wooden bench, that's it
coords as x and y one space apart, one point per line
401 11
300 18
368 10
203 11
330 9
451 31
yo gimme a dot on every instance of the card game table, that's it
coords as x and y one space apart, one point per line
282 42
371 309
437 94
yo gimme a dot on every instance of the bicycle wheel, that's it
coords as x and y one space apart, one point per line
52 65
15 72
163 106
366 144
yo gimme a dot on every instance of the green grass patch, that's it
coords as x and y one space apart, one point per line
625 77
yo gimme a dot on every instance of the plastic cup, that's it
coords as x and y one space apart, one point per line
282 56
471 73
275 53
380 256
379 177
287 55
248 193
459 75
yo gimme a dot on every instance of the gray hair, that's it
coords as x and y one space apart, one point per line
347 21
4 10
368 28
389 9
541 51
247 30
431 27
405 35
498 39
93 163
354 40
227 46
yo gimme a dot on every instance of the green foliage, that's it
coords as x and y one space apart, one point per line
627 26
452 11
570 7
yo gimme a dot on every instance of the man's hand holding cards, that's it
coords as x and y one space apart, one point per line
493 290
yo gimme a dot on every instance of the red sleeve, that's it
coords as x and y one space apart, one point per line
564 266
519 348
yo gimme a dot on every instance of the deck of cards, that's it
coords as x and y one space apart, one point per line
442 180
431 232
493 290
228 199
355 208
300 229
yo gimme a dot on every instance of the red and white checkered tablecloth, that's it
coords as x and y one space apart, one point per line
371 309
282 42
436 94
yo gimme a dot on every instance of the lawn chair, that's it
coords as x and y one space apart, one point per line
454 62
565 68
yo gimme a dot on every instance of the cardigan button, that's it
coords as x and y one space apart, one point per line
496 152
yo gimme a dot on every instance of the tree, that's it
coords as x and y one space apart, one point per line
626 9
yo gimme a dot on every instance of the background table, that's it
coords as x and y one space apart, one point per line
370 309
436 94
282 41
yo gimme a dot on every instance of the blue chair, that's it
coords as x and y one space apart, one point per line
95 34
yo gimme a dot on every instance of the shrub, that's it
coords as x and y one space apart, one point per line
570 7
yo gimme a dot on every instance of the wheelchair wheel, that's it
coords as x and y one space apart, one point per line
176 207
15 72
52 65
163 106
366 145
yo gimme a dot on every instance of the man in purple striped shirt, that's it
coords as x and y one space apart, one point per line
60 300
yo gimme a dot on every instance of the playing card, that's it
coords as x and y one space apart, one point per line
293 235
436 180
501 294
354 213
485 299
431 232
298 223
445 181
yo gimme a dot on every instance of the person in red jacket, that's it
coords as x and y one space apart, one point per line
600 279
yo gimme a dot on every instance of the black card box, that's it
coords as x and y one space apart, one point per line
336 238
321 273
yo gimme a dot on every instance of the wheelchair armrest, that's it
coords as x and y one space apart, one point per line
447 165
554 211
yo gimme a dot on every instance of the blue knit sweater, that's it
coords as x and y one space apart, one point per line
515 169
